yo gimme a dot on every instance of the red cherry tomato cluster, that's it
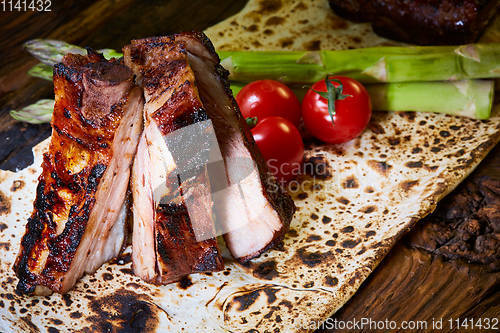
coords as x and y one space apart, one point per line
334 110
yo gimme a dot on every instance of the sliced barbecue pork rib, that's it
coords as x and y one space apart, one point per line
78 220
166 208
254 211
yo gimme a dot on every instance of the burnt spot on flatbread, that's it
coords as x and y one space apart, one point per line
56 322
317 166
275 20
128 271
302 196
416 150
356 277
17 185
29 323
410 115
414 164
331 281
269 6
331 243
369 189
347 229
342 200
314 45
408 184
270 294
376 128
252 28
350 243
313 238
368 209
75 315
266 270
107 276
246 300
312 259
3 226
363 250
4 204
325 219
67 300
370 233
314 216
286 42
380 166
123 311
268 32
444 134
292 233
309 284
394 141
350 182
185 282
4 246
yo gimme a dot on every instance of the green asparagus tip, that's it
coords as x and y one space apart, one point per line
38 113
41 71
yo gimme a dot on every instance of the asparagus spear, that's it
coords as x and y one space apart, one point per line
467 98
41 71
368 65
38 113
50 51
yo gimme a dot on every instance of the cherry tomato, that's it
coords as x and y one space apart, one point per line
281 146
267 98
352 113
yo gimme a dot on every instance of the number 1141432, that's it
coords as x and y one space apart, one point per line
26 5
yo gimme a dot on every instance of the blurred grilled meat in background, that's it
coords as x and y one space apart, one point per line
424 22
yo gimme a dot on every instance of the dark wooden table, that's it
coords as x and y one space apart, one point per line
447 268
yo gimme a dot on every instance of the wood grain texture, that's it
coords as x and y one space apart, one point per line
411 283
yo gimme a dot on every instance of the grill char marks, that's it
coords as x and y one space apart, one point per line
95 108
164 229
265 211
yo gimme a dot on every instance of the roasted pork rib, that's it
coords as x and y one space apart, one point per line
79 214
164 244
78 221
255 212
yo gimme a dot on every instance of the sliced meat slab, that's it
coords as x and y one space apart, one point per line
255 211
78 219
169 210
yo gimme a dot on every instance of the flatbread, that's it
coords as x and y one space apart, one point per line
362 196
295 25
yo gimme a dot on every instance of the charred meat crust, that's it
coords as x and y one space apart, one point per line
67 185
175 238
